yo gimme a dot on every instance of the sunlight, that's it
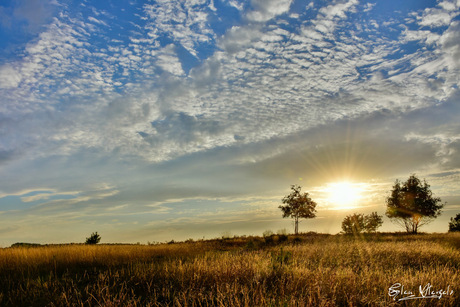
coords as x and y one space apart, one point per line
344 194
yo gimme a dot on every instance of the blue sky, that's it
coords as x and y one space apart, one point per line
159 120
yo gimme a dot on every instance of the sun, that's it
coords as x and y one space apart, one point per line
343 194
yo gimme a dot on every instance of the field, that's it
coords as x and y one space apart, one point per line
307 270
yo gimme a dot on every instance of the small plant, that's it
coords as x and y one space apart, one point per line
93 239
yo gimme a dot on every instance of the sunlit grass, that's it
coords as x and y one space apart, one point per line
312 270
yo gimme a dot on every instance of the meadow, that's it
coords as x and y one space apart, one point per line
303 270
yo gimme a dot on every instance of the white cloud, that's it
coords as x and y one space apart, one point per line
9 77
48 195
267 9
424 36
100 22
338 9
168 61
369 6
239 5
450 42
440 16
435 18
239 38
185 24
449 5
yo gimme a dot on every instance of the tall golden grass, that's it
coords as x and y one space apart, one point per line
310 270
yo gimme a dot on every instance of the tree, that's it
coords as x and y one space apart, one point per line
93 239
357 223
372 222
353 223
412 204
298 206
454 224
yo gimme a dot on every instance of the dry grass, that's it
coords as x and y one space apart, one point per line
314 270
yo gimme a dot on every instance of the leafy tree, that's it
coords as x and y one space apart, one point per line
353 223
454 224
93 239
412 204
372 222
357 223
298 206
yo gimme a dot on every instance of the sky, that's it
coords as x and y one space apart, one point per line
150 121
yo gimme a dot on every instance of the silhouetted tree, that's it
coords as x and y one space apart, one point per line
412 205
353 223
93 239
454 224
298 206
372 222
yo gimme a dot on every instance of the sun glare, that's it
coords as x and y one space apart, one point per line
343 195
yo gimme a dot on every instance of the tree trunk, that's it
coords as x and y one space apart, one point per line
296 225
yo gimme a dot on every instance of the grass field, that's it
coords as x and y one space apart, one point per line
307 270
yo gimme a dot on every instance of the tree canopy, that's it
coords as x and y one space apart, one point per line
298 205
412 204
